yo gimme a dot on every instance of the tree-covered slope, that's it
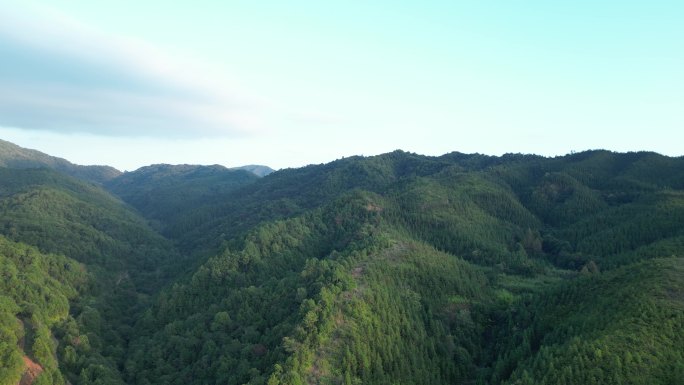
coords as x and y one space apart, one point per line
447 250
226 323
328 295
60 214
291 192
481 201
607 207
620 327
397 268
165 194
125 259
35 291
13 156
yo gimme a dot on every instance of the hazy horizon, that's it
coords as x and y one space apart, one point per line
329 160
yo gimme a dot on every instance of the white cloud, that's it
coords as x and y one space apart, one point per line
60 75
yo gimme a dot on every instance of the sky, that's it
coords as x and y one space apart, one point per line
290 83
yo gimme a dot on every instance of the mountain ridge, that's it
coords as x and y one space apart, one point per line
14 156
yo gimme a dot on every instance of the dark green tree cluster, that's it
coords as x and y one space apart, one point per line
35 290
165 193
126 261
630 333
228 322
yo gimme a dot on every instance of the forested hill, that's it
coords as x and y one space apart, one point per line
550 193
69 300
14 156
258 170
397 268
413 269
164 193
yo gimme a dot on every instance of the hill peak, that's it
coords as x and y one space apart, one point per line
13 156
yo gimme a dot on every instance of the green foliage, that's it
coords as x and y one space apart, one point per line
465 214
412 316
291 192
11 332
165 194
229 321
397 268
13 156
63 215
629 334
127 259
35 290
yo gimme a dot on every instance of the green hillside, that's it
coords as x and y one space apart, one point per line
35 291
14 156
125 259
620 327
64 215
291 192
392 269
166 193
453 245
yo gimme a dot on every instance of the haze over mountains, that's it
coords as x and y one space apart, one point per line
396 268
13 156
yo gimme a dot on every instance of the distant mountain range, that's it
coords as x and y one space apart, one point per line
256 169
13 156
396 268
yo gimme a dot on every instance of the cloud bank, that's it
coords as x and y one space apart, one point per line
60 75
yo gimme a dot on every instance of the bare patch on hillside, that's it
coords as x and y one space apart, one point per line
33 370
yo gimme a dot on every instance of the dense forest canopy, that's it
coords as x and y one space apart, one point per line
397 268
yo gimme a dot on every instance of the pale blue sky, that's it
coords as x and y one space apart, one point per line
288 83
